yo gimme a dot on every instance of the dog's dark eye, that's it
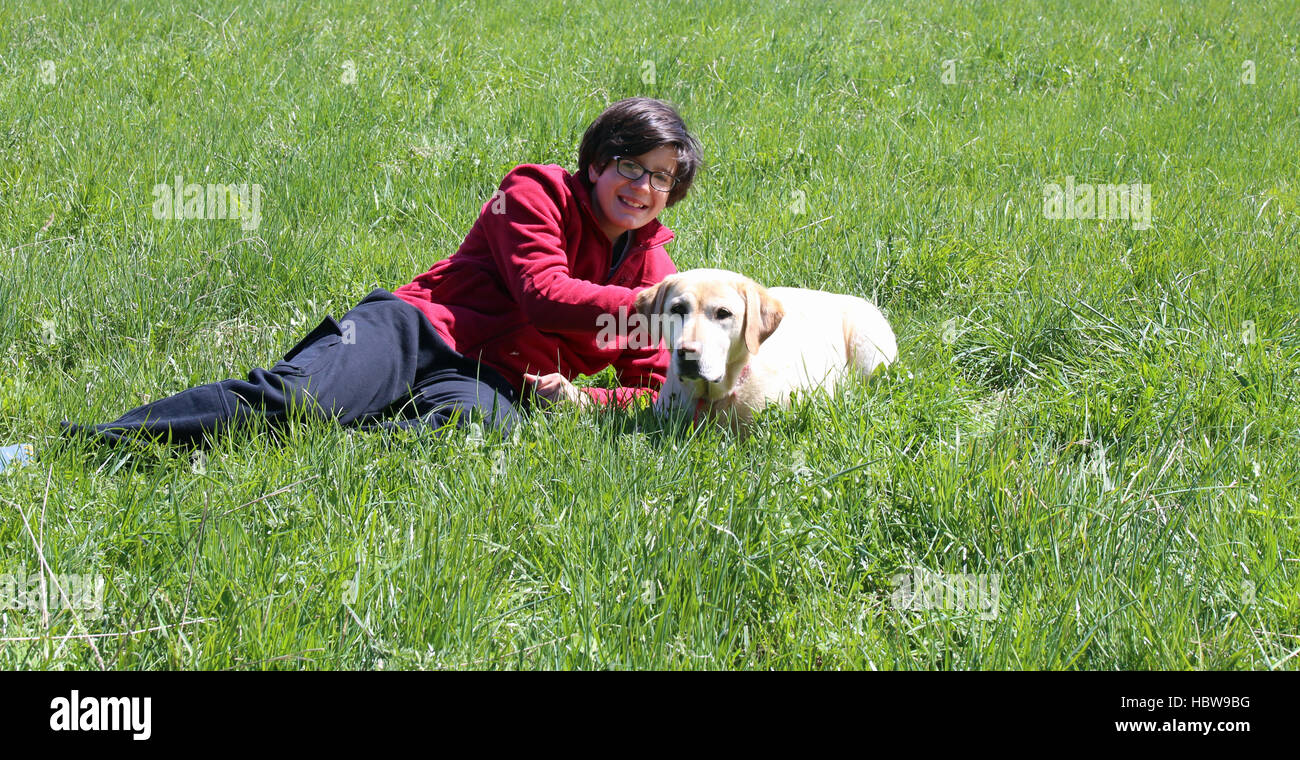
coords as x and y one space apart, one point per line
678 309
724 314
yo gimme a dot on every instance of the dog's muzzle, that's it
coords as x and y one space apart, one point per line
688 366
689 369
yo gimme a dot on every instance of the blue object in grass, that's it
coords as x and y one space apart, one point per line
16 454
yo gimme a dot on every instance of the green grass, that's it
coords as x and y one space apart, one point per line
1031 349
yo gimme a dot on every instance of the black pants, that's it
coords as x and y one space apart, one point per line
382 359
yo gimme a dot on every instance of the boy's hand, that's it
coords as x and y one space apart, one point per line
557 388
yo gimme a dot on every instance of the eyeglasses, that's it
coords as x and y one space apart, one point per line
661 181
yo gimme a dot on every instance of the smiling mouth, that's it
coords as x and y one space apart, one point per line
631 205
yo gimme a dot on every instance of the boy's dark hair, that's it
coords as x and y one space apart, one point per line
639 125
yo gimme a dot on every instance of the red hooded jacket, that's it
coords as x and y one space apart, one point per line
526 290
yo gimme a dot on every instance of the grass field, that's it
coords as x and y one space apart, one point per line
1100 418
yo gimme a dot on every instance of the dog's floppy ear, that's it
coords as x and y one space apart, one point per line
763 315
651 300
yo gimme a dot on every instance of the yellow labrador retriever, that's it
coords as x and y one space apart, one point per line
736 346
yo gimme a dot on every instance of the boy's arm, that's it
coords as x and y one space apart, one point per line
640 374
528 244
556 387
641 371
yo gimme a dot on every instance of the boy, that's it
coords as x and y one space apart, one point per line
517 307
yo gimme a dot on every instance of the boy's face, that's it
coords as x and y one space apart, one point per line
623 204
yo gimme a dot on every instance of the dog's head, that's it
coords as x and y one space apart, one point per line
710 320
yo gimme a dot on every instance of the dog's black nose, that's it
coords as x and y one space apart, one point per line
689 368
